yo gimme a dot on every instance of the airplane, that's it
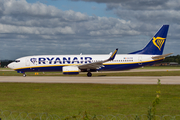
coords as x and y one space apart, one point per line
74 64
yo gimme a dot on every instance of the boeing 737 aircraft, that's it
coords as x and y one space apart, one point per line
73 64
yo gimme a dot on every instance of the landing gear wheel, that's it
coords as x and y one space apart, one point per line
89 74
24 75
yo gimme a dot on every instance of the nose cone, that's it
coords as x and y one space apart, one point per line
11 65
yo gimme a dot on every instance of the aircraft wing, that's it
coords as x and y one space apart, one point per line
161 56
99 64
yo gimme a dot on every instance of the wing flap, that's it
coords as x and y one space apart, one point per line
94 65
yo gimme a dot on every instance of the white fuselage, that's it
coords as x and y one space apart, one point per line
56 62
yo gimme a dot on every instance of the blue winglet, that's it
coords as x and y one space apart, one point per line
113 55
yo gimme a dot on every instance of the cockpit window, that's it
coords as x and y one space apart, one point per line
17 60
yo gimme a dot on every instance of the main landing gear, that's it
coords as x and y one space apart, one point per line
89 74
24 75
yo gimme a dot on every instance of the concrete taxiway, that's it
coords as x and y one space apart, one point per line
93 80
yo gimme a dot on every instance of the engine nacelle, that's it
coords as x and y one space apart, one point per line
70 70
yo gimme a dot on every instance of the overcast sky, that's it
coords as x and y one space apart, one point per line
40 27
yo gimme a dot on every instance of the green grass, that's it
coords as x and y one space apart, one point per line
5 72
161 67
70 99
5 69
149 73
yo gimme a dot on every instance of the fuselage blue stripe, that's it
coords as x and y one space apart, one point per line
110 67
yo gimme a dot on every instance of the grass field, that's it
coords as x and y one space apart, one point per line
150 73
96 99
161 67
159 73
70 99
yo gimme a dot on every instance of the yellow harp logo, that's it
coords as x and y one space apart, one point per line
158 42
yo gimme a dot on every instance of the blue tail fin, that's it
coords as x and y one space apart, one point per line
156 45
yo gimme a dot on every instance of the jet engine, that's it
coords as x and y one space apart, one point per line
70 70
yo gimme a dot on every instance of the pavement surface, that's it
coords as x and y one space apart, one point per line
93 80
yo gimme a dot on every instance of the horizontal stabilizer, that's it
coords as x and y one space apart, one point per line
161 56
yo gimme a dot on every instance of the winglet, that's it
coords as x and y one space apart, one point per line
113 55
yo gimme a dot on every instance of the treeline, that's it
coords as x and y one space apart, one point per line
4 63
172 59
